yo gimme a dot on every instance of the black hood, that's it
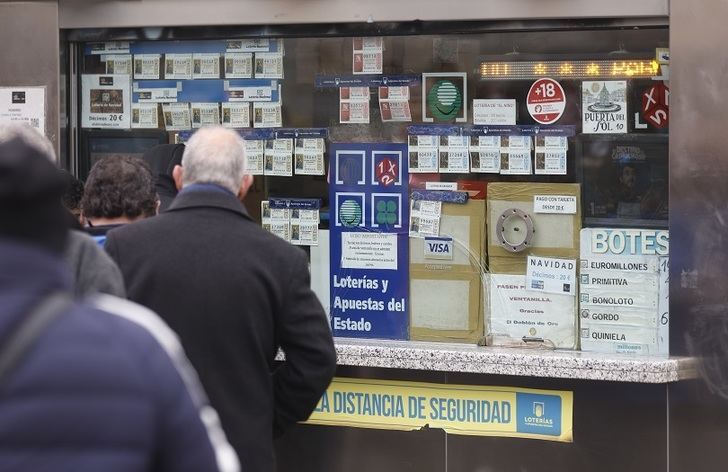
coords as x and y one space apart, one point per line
162 159
31 188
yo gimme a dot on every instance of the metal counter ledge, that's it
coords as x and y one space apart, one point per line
455 357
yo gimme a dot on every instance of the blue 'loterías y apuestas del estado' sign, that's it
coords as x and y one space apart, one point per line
369 241
457 409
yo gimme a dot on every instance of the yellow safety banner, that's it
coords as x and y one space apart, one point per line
458 409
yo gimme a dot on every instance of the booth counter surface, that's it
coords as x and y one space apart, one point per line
468 358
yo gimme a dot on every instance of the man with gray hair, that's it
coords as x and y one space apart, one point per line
235 294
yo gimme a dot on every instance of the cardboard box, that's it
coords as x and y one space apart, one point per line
540 316
446 292
555 234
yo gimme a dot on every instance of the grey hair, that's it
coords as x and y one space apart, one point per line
214 155
31 136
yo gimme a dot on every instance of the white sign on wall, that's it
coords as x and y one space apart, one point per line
23 105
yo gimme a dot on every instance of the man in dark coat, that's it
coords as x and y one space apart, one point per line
234 293
105 385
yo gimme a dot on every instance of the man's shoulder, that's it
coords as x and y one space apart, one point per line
272 246
141 226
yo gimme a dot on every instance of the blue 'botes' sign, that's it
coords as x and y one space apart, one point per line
369 240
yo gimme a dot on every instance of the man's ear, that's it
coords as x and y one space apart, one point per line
245 186
177 174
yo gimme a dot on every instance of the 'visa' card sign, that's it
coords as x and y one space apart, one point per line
438 248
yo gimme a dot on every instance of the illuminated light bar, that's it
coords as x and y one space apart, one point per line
622 69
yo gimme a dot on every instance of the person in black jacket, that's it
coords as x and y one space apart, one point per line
235 294
105 385
162 159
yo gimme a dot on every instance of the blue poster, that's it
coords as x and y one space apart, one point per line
369 241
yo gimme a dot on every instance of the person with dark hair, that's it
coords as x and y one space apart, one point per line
73 195
96 386
118 190
162 159
92 269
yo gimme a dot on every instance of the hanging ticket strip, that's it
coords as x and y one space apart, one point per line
198 83
354 91
281 151
426 210
496 149
295 220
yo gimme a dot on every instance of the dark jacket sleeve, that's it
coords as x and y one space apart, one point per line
304 335
183 442
93 269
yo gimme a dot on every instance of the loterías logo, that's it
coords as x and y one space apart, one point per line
445 100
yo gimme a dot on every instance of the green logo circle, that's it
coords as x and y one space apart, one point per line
445 100
350 213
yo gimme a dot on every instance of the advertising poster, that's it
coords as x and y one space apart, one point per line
624 290
106 101
23 105
604 107
369 241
